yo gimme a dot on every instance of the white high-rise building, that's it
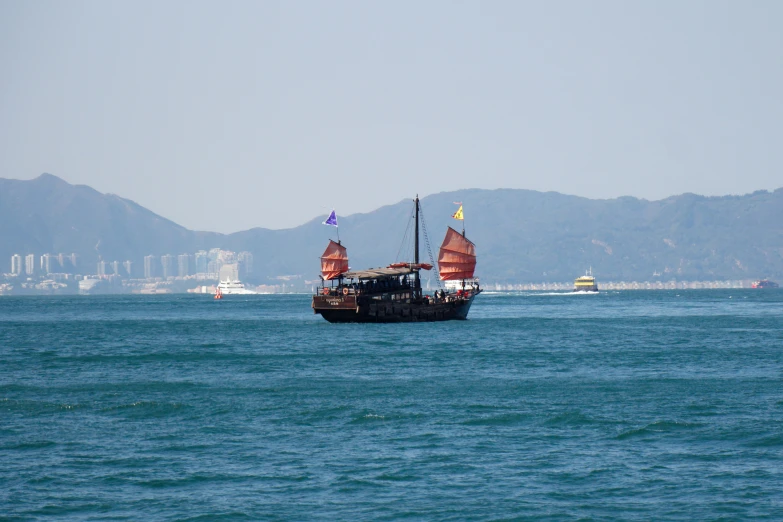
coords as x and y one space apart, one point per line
150 267
202 259
245 260
16 264
167 264
29 264
183 265
47 263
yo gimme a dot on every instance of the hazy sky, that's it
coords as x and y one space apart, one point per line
229 115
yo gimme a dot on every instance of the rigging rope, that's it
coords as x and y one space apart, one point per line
429 249
406 241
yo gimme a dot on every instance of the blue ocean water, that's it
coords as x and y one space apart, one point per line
622 405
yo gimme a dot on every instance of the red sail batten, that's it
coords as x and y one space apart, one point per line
457 257
334 261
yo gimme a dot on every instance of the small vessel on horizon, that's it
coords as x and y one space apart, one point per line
764 283
586 283
393 294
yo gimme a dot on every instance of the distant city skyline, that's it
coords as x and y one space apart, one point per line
288 110
215 263
209 267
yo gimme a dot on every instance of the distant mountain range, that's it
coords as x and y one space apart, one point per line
521 235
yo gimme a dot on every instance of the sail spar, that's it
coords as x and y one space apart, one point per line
334 261
457 257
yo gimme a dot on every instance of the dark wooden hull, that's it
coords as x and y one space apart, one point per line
347 310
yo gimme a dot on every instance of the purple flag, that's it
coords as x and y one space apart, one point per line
331 220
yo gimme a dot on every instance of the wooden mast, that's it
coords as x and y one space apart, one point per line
417 284
463 235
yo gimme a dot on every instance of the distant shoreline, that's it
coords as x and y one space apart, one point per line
627 285
500 288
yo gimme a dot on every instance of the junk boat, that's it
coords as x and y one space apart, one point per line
586 283
393 294
764 283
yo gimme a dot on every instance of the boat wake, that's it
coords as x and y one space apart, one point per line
564 293
502 293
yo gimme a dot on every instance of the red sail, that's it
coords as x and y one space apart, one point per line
457 257
334 261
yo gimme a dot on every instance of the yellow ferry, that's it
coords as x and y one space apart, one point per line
586 283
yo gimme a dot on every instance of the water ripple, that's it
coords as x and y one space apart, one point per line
625 405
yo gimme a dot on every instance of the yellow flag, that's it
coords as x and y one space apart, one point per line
458 214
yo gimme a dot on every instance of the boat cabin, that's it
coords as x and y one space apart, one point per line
382 284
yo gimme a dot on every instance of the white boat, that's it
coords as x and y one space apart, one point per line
233 288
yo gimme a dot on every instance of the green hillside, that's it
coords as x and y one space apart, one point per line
521 235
